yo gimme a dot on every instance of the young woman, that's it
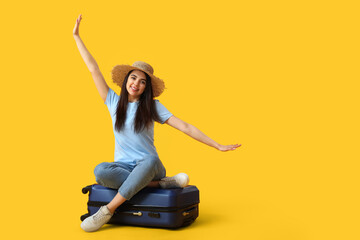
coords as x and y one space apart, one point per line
133 113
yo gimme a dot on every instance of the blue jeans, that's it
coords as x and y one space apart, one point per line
128 181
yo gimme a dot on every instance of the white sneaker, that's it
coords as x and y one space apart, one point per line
180 180
95 221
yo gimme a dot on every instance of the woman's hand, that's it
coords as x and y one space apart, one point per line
76 28
225 148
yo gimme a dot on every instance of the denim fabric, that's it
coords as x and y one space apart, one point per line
126 179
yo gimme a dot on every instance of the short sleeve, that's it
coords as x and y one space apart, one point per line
111 99
164 114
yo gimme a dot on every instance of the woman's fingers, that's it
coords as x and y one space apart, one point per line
76 28
225 148
79 19
233 147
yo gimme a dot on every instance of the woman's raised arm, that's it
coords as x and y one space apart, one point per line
197 134
90 62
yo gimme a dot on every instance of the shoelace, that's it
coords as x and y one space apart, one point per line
99 216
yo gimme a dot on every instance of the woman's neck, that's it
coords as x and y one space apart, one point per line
130 99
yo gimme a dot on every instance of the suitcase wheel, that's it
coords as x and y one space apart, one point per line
83 217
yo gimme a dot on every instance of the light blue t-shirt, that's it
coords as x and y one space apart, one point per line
130 146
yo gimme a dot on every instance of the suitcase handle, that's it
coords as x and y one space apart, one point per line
86 189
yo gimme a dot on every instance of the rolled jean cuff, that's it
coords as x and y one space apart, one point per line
127 196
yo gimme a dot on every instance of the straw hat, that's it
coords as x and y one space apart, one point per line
119 72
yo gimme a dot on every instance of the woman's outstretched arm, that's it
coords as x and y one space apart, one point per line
90 62
197 134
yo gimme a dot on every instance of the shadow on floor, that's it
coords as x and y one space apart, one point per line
204 220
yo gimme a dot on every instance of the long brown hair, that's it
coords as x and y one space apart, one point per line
146 112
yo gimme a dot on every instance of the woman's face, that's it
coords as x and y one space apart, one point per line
135 85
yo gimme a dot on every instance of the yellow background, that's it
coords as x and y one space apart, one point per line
279 77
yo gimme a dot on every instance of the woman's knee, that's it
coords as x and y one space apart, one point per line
100 170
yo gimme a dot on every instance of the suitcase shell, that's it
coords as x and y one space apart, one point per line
152 207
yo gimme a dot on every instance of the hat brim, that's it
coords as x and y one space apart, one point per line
119 72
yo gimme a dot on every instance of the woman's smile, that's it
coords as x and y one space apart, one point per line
134 88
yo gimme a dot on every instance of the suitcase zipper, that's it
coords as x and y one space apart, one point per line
188 211
150 209
133 213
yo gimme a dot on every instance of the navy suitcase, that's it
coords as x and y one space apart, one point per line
151 207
